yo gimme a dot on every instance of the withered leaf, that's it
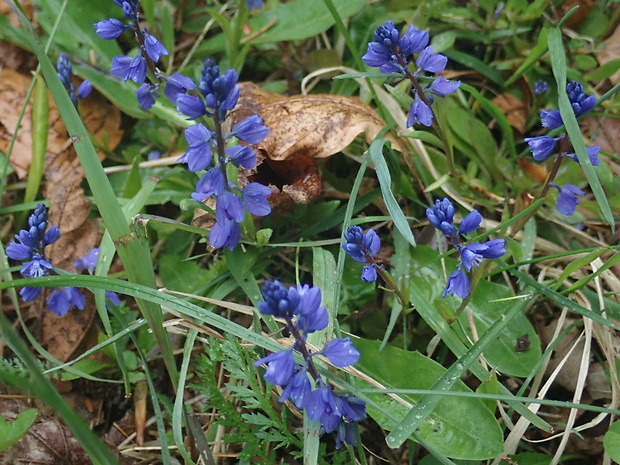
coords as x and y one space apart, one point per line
315 126
514 109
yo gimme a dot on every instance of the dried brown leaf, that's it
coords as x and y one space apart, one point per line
515 110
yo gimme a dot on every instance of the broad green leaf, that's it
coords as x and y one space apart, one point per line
288 25
487 305
611 441
531 458
87 366
458 427
12 431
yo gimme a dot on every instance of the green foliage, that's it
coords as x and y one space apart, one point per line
246 409
11 431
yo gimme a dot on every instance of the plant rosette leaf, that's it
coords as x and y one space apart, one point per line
461 428
611 441
508 354
12 431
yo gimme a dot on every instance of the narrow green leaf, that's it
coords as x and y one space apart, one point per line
385 181
40 131
558 64
530 60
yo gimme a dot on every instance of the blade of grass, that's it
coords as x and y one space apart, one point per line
132 246
558 65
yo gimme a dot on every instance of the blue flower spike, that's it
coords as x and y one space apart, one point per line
441 217
391 54
362 248
300 307
29 247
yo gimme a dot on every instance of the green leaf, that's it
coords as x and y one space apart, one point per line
611 441
287 24
385 181
558 64
87 366
457 427
12 431
604 71
472 62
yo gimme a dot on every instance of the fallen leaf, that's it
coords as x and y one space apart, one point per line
611 52
315 126
515 110
604 132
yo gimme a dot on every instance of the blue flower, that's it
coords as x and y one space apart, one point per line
311 316
37 267
191 106
430 62
62 299
110 28
362 248
88 262
125 67
153 47
442 87
390 51
471 222
199 155
84 89
220 91
225 233
146 95
551 119
64 70
441 216
255 199
472 255
241 155
592 154
321 406
341 352
251 130
298 388
280 367
581 103
567 198
540 87
211 183
458 284
258 4
278 301
176 85
419 112
542 146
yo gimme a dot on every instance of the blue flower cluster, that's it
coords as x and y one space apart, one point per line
135 68
541 87
64 70
441 216
362 248
390 53
29 247
217 95
542 147
301 309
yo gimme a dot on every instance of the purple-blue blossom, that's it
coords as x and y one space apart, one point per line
62 299
458 284
124 67
147 95
298 306
568 198
64 70
362 248
542 147
109 29
258 4
540 87
592 155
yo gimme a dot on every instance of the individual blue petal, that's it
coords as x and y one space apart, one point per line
341 352
225 233
241 155
345 434
146 94
471 222
88 262
17 251
551 119
442 87
494 248
431 62
311 316
154 48
212 182
109 29
250 130
29 293
372 243
369 273
255 199
191 106
541 147
584 106
420 112
592 154
51 236
280 367
567 198
458 284
177 84
130 10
